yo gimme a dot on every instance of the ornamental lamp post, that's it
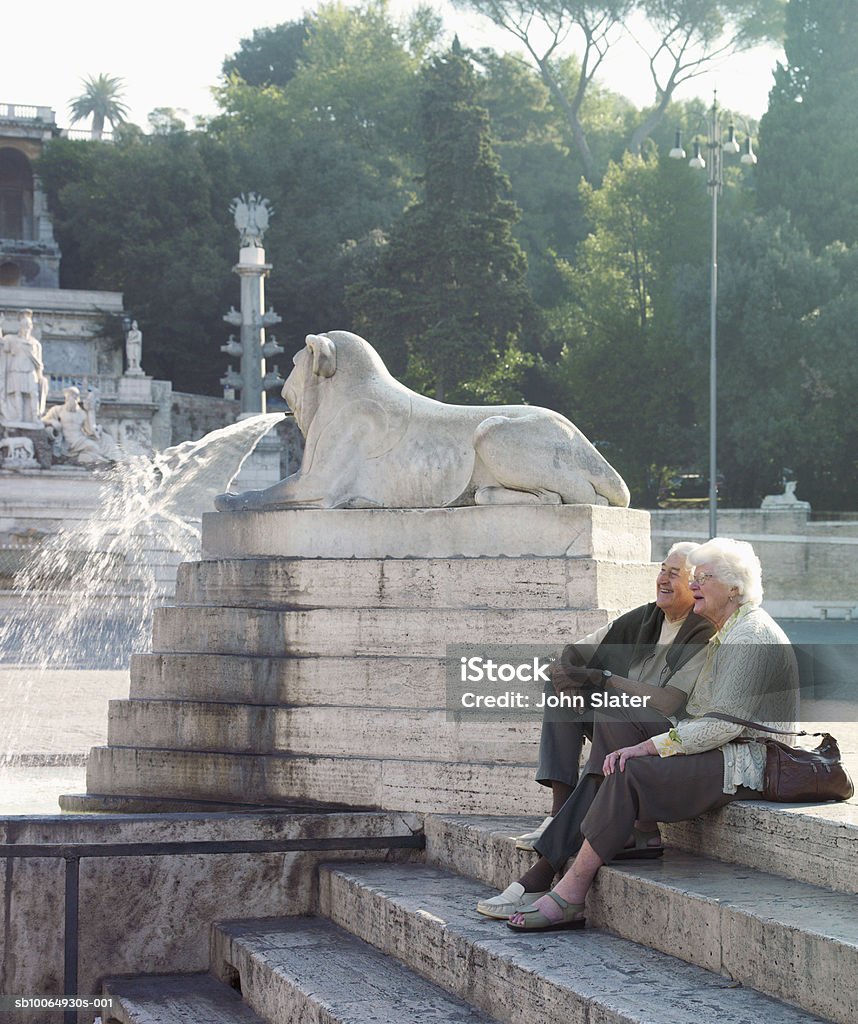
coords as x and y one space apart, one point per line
252 214
717 146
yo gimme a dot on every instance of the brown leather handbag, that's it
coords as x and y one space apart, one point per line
797 774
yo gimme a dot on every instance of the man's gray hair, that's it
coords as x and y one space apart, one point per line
735 563
684 548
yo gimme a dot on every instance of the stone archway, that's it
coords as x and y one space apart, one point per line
16 195
10 275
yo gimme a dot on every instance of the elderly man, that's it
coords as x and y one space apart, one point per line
655 651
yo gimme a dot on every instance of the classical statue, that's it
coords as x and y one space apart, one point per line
252 214
370 442
76 434
23 384
134 350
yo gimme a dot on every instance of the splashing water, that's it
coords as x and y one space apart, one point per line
87 594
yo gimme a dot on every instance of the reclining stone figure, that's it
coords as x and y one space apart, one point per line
371 442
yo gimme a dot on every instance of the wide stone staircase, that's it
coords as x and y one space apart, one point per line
687 939
294 676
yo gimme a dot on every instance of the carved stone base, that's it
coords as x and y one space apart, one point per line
42 447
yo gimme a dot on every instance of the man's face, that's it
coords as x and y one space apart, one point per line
672 591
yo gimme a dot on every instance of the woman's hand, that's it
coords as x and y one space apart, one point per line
616 760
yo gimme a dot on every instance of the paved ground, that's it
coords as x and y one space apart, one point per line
48 722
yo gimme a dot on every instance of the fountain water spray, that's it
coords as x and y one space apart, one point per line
87 593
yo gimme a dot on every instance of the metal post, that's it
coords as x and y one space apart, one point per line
715 183
713 374
72 913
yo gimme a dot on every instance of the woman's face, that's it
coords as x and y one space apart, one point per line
714 600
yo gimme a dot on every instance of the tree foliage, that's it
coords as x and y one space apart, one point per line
690 35
786 369
333 149
270 56
625 354
148 216
448 287
811 125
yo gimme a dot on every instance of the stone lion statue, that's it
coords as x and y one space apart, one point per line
371 442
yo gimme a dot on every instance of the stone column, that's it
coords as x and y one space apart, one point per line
252 269
251 220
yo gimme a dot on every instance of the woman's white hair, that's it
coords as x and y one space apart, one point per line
735 563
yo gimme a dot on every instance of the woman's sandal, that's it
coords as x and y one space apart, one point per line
640 850
536 921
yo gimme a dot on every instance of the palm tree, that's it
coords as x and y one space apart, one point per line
100 97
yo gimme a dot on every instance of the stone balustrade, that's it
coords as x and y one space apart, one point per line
107 387
86 133
23 112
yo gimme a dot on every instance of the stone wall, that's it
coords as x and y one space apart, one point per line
148 888
808 567
193 416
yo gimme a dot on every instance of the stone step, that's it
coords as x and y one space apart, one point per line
177 998
308 971
413 733
411 582
360 682
360 631
813 843
794 941
359 782
425 917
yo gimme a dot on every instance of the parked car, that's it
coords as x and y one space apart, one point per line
685 490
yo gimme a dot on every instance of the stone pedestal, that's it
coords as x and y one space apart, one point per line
305 656
134 387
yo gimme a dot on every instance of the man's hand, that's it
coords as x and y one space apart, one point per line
573 678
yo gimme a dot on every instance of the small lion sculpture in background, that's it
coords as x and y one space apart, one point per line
371 442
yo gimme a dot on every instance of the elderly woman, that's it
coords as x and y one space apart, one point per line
701 763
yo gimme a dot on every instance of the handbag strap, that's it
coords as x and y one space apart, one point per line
758 726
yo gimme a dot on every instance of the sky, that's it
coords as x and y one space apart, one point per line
170 53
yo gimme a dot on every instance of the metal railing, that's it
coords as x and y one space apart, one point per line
73 853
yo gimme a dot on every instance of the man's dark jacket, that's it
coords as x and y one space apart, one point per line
634 636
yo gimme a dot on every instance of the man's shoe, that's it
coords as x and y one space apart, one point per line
510 901
641 847
526 841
